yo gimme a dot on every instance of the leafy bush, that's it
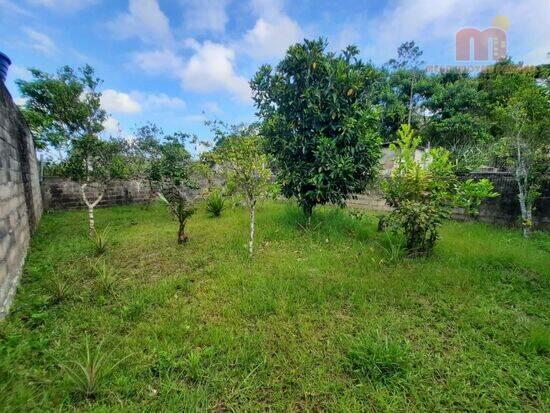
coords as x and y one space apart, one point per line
377 359
89 375
422 192
471 193
215 204
100 240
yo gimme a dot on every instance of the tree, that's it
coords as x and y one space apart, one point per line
94 163
64 111
145 153
458 119
62 107
423 192
319 123
177 177
407 66
247 170
518 104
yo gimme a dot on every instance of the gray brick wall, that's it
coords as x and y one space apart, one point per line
20 197
503 210
61 193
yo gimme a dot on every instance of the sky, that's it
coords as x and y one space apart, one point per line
180 62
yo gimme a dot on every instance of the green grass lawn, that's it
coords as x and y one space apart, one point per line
318 320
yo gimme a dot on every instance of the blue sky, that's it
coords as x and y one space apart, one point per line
179 62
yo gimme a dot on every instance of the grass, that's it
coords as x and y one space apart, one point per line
318 320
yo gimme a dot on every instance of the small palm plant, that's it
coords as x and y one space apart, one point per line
104 276
100 239
88 376
215 204
394 248
59 288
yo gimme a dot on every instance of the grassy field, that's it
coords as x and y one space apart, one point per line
318 320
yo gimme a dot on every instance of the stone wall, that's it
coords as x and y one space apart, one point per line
503 210
61 193
20 199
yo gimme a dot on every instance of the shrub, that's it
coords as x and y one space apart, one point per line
420 191
424 191
471 193
215 204
377 359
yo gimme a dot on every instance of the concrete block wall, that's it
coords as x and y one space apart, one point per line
503 210
20 197
62 193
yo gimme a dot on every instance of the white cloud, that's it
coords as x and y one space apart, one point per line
135 101
144 20
212 68
429 22
154 101
118 102
212 108
40 41
272 33
158 62
63 6
205 15
112 127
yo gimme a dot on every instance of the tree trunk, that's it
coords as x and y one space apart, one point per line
411 101
523 188
91 206
252 223
91 221
308 211
182 236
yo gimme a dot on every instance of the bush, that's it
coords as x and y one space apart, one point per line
422 192
215 204
471 193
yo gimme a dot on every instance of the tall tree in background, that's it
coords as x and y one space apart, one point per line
319 123
408 66
145 153
521 122
458 119
62 107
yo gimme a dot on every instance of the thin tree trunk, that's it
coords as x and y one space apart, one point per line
411 101
182 236
252 218
523 188
91 206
